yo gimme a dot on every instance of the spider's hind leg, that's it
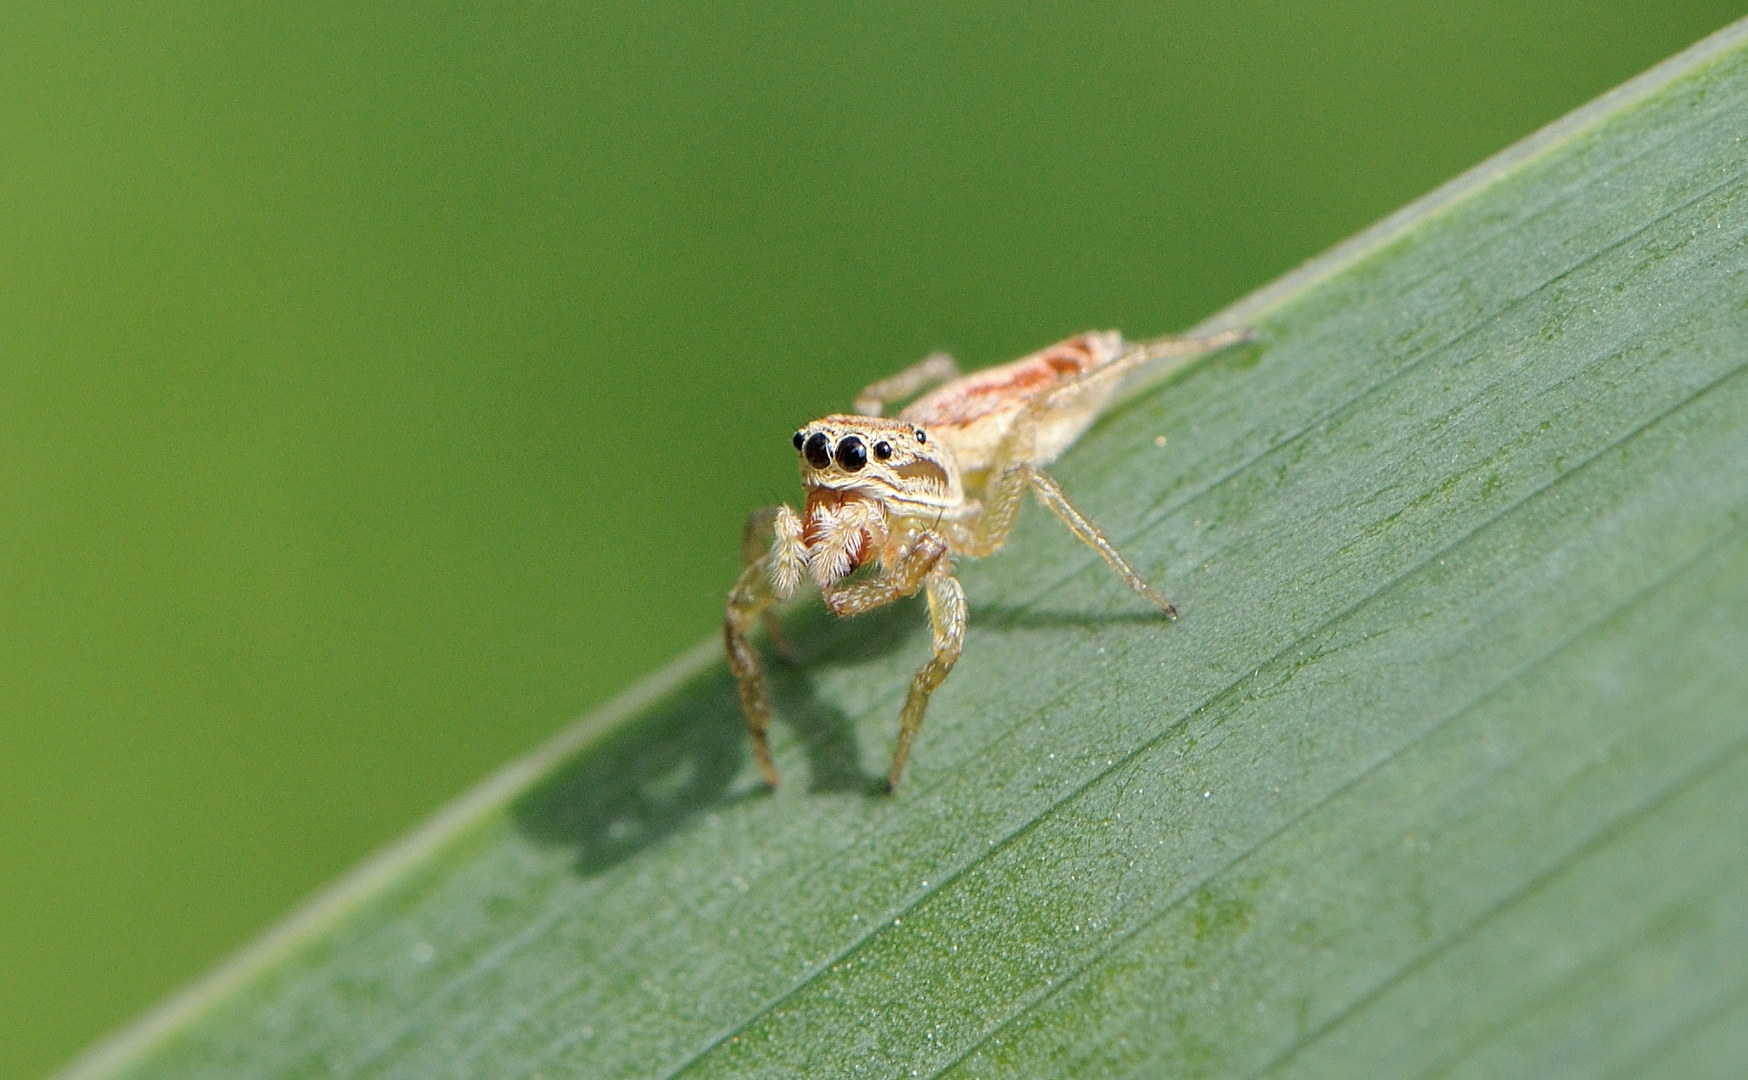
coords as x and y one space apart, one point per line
931 370
1164 356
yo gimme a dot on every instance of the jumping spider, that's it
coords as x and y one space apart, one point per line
944 477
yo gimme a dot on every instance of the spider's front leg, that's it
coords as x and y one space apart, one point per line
918 562
947 619
767 580
905 566
758 540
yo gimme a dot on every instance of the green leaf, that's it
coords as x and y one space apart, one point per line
1444 770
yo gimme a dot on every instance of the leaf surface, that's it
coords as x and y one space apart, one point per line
1444 771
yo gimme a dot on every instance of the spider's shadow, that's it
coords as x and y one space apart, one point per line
688 755
649 778
1000 617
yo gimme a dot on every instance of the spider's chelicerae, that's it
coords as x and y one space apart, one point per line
942 478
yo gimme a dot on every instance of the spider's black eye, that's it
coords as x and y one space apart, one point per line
799 435
852 455
818 450
920 437
883 450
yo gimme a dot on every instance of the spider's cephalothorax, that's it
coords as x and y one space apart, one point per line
943 478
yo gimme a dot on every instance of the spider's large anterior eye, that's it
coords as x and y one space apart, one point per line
852 455
799 435
883 450
818 450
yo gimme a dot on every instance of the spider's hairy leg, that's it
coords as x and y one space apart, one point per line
767 580
912 564
748 599
1177 348
903 572
1178 352
1050 493
1009 477
931 370
947 619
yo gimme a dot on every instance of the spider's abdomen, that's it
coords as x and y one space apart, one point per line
972 414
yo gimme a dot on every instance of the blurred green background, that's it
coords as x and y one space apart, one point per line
382 385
